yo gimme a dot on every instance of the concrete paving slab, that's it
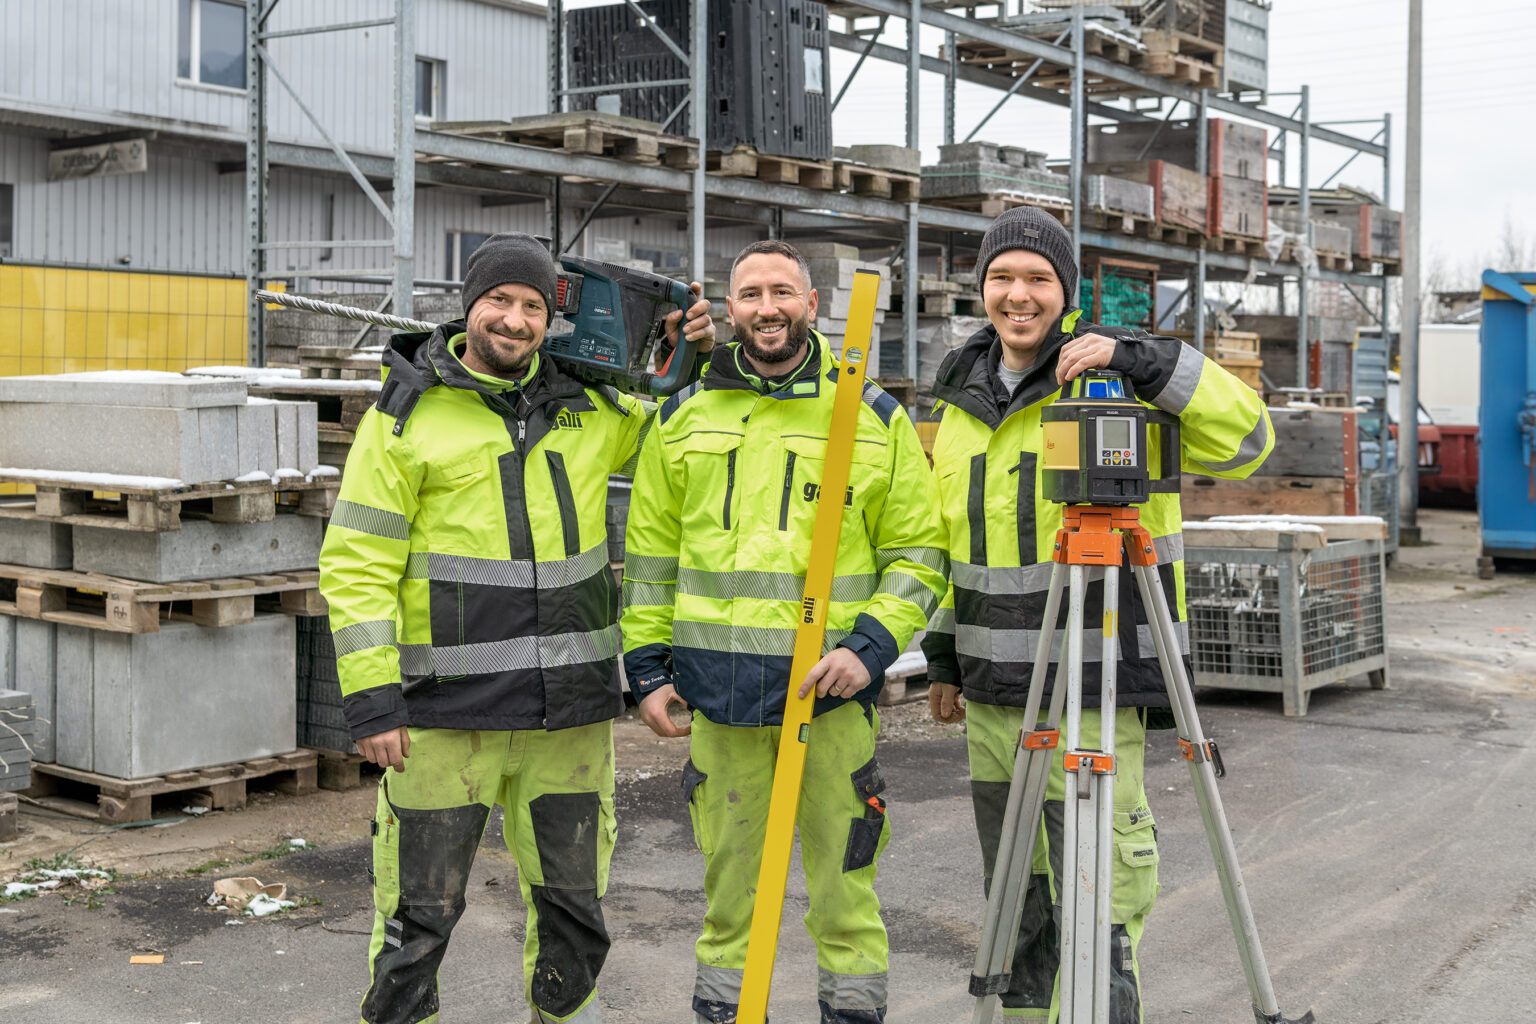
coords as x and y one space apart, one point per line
108 439
219 435
201 549
36 543
186 697
151 388
256 425
34 668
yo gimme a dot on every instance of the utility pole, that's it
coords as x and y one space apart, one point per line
1408 365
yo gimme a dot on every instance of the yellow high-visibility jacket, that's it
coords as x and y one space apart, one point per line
719 536
1001 532
466 563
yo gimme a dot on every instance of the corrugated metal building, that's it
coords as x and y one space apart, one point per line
145 268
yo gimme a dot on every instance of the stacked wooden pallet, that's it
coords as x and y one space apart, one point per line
1236 351
150 616
1314 470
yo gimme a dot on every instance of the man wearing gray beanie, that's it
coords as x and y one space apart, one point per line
1000 538
475 622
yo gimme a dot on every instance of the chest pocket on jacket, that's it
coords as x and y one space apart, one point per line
804 466
712 469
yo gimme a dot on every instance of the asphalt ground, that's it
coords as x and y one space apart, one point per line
1385 839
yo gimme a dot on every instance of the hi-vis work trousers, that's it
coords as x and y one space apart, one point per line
557 789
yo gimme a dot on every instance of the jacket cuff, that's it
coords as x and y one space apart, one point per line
372 711
943 665
874 645
648 669
1147 359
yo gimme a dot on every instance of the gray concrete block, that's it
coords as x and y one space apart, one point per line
890 158
151 388
36 543
287 421
8 652
36 670
308 454
186 697
219 437
201 549
256 425
115 439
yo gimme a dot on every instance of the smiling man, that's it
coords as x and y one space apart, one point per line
719 536
474 615
981 643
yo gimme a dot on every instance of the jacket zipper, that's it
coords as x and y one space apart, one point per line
730 485
789 486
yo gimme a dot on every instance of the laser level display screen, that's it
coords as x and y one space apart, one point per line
1116 441
1107 388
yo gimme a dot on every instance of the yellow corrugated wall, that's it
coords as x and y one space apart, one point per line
56 320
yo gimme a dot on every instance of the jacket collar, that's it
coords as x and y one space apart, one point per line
422 360
725 373
968 377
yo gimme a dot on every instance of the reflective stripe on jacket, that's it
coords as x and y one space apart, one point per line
466 563
719 537
1001 531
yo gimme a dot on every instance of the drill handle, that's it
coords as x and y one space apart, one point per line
677 371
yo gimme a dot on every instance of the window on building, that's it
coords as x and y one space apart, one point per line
429 88
7 218
460 245
210 44
664 261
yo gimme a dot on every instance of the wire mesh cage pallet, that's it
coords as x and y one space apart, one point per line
1286 620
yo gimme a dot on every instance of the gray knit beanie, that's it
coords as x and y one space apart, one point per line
510 258
1029 227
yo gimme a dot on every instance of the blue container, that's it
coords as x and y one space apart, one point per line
1506 477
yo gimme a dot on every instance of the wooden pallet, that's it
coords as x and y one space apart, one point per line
115 801
154 509
1158 40
326 362
992 204
1115 221
588 133
1180 68
1369 265
746 162
102 602
1241 245
340 769
940 303
875 182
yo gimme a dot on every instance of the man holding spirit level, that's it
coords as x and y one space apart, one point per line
981 643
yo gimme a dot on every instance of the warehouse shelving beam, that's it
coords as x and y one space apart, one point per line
1012 91
399 215
874 37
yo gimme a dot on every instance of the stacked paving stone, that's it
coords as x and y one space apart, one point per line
150 424
982 169
128 705
18 720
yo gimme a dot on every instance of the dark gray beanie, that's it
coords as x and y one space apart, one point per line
510 258
1029 227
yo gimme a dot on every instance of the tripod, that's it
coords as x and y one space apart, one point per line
1094 535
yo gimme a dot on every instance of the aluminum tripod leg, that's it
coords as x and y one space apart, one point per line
1088 823
1021 824
1202 773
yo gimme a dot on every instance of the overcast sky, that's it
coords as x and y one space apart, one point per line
1479 149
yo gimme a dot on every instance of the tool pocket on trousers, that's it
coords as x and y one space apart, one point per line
437 847
384 874
1135 865
692 777
866 831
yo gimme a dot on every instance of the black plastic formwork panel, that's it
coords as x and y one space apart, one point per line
769 76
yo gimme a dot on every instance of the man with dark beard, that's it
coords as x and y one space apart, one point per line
735 467
473 610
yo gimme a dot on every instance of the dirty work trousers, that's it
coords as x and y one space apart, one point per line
557 790
728 783
992 736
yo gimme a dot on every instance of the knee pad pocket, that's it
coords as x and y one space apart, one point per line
435 850
866 831
565 831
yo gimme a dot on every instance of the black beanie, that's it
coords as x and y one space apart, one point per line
510 258
1029 227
